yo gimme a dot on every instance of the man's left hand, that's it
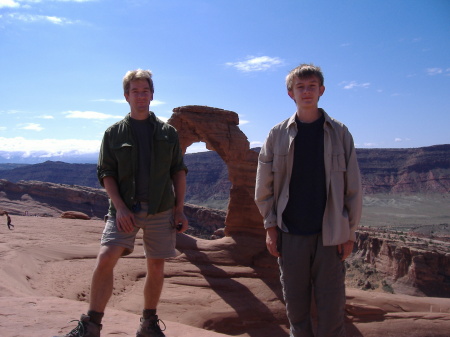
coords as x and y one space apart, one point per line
345 249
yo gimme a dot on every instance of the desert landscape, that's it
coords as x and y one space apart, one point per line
223 281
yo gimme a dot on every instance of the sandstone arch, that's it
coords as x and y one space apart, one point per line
219 130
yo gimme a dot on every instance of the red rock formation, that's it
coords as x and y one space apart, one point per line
48 199
412 269
75 215
219 130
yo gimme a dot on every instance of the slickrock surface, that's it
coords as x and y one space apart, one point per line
228 285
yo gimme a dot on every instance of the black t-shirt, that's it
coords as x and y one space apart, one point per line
303 214
143 131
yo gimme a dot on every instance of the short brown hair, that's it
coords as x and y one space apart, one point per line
304 71
138 74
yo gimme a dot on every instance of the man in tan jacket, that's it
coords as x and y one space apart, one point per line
308 190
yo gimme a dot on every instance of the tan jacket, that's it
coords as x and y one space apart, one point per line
343 181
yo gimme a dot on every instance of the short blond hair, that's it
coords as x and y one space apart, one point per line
138 74
304 71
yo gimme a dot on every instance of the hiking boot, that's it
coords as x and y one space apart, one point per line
85 328
150 327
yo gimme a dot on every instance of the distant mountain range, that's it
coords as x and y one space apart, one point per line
414 170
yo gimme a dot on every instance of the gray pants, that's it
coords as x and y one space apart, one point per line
307 266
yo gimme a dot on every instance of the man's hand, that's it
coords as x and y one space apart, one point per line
271 241
345 249
180 218
125 220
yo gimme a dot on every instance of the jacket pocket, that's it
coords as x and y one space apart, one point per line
338 162
279 161
122 151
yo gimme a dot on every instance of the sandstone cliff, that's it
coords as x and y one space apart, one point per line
402 263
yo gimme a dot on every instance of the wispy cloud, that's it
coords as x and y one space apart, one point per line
261 63
9 112
155 102
2 128
197 147
18 14
31 126
256 143
399 140
27 2
90 115
119 101
438 71
46 117
48 147
9 4
348 85
33 18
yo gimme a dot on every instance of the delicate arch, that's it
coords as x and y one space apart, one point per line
219 130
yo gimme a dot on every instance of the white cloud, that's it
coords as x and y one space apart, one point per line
370 144
90 115
31 126
9 4
197 147
164 119
10 112
119 101
399 140
46 117
353 84
155 102
256 143
40 1
260 63
434 71
48 147
32 18
438 71
2 128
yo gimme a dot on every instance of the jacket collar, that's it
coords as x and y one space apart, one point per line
152 118
328 120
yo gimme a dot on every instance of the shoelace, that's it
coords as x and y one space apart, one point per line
156 324
78 329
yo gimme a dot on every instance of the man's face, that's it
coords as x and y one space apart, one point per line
139 96
306 91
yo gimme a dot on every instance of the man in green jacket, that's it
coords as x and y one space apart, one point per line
141 167
308 190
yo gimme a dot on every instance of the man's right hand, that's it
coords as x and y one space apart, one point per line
271 241
125 220
124 217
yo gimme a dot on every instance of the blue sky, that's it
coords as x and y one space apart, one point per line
386 66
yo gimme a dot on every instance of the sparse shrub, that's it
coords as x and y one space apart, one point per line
387 287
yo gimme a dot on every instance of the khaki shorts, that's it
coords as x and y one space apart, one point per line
159 234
